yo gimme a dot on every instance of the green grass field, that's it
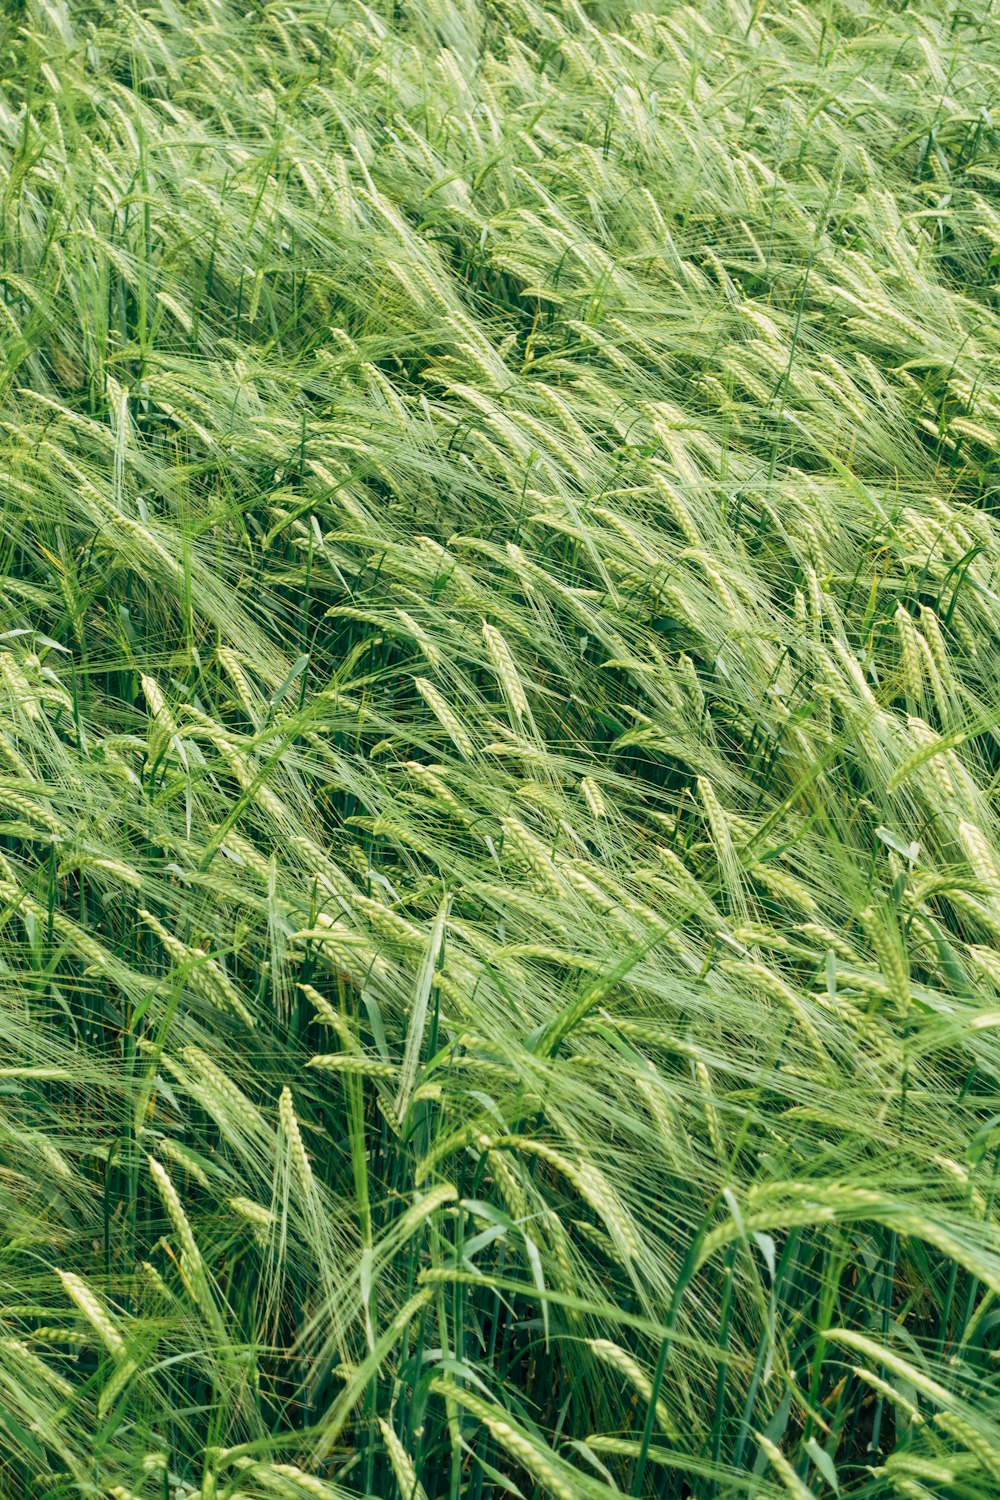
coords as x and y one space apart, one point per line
499 749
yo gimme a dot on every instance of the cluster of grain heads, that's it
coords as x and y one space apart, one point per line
499 847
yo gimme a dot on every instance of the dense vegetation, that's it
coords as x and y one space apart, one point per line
499 724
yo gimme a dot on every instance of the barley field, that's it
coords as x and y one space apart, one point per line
499 749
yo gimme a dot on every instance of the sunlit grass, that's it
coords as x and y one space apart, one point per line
499 661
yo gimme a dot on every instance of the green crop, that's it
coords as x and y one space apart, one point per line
499 749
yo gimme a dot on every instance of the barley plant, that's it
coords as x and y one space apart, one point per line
499 748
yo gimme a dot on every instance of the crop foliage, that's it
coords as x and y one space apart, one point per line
499 723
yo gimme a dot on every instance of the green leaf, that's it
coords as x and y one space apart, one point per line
824 1464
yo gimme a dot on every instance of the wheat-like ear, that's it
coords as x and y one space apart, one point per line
503 663
292 1136
445 715
410 1487
94 1311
